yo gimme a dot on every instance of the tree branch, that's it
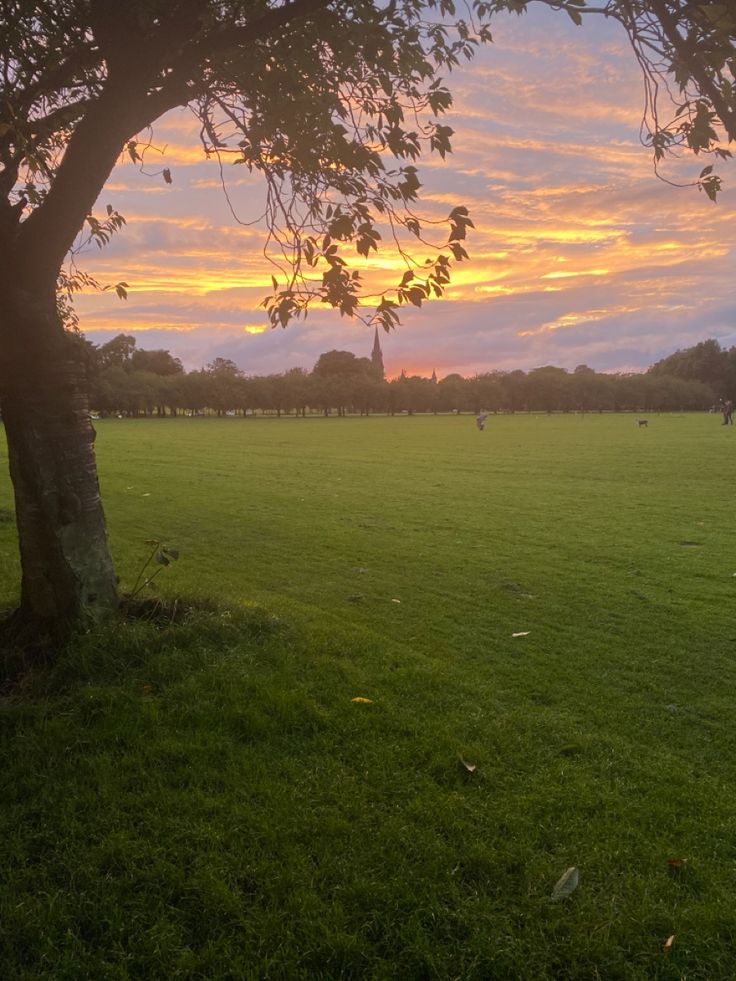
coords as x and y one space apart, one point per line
83 58
229 39
695 67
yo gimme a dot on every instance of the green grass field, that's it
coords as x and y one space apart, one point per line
206 800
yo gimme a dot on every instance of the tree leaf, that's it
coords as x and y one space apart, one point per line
566 884
667 945
469 767
521 633
362 701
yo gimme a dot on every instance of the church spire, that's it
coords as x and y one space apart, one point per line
377 358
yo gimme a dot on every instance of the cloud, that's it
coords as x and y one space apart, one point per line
579 254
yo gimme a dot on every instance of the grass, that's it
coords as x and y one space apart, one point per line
206 800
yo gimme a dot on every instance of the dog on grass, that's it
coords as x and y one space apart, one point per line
642 422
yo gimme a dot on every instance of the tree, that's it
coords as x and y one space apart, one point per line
341 381
224 385
295 390
117 353
318 96
341 364
706 362
157 362
514 388
453 394
486 392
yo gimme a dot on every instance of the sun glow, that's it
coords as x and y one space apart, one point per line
576 250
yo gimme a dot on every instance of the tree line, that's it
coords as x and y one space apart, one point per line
129 381
332 104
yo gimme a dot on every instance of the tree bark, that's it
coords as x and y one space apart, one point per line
67 572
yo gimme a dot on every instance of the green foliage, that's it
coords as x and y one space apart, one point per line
137 382
162 556
332 103
693 44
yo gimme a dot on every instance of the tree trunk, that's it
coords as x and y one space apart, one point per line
67 572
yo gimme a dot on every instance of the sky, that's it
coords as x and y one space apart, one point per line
580 255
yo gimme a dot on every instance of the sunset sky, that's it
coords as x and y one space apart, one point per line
580 255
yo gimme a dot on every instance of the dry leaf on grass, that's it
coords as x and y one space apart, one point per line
522 633
469 767
362 701
566 884
677 863
667 945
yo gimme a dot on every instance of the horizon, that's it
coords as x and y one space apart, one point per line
389 377
580 254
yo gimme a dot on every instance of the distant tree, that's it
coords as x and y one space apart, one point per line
729 380
341 364
549 389
157 362
117 353
667 393
514 387
453 394
342 381
195 391
630 392
705 362
296 390
254 393
171 389
584 388
318 96
109 390
223 381
486 392
412 393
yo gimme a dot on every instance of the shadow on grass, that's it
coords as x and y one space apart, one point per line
144 627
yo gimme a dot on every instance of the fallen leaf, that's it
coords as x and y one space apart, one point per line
522 633
469 767
395 601
363 701
147 494
149 690
566 884
667 945
677 863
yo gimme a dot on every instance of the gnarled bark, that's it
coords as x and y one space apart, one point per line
67 572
